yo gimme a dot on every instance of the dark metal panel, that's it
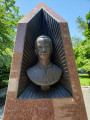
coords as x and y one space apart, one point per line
34 92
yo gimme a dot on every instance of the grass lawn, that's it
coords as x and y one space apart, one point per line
84 79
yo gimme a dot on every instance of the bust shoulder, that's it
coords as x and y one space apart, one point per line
56 68
44 75
32 70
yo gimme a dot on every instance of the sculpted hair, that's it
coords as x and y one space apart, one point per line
43 36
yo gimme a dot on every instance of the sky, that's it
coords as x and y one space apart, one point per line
67 9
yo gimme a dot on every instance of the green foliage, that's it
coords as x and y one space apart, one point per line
82 50
8 22
82 55
9 16
81 24
76 41
84 25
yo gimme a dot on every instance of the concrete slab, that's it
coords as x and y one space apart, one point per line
86 95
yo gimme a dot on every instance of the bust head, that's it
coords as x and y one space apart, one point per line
43 47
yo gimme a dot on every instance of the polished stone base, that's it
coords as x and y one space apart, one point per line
34 92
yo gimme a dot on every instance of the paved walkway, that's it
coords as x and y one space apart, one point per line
2 101
86 95
1 112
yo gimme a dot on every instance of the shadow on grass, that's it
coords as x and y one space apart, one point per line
84 76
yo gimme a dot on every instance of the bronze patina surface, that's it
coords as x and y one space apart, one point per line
44 73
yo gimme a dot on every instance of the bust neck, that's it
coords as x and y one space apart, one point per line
44 62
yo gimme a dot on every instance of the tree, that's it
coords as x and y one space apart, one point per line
82 56
76 41
84 25
82 51
9 16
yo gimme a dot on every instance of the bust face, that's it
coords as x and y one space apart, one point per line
43 48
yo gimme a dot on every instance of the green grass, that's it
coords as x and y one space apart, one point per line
84 79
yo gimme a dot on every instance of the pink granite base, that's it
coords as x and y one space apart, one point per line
44 109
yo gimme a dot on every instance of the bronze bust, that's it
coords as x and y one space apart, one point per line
44 73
